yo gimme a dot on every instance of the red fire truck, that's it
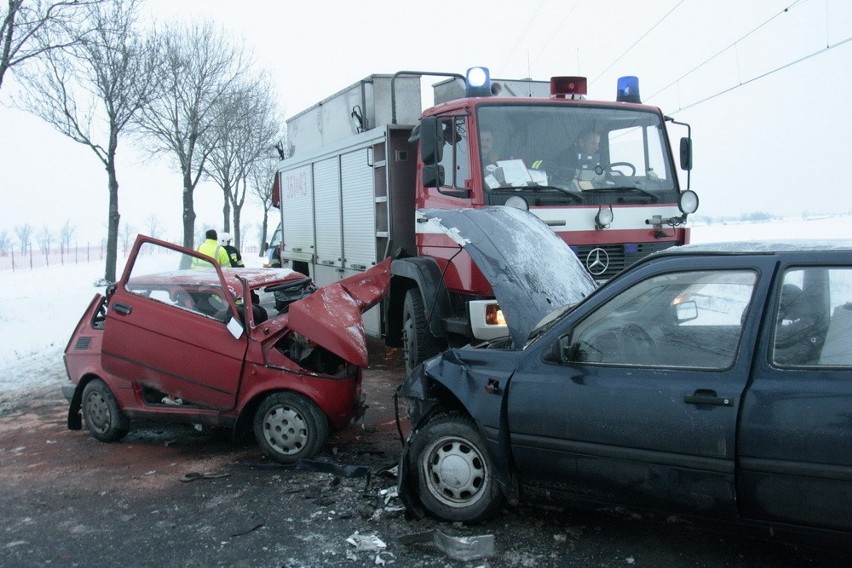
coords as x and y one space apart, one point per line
363 162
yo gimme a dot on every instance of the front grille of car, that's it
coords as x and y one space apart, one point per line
82 343
616 258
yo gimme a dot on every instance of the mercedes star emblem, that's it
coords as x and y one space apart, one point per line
597 261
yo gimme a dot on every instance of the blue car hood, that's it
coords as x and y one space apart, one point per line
530 269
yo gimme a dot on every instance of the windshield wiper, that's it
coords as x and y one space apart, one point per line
570 192
610 189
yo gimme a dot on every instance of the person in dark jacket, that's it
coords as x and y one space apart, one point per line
234 255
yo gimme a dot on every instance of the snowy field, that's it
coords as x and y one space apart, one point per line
39 307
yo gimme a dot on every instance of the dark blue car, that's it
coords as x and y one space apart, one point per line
708 381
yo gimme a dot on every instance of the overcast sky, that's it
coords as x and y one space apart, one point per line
764 140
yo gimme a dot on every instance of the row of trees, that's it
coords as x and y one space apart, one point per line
186 92
23 236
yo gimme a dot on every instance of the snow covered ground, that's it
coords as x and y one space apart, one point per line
39 307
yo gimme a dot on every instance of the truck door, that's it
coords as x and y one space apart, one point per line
454 191
640 407
795 452
164 330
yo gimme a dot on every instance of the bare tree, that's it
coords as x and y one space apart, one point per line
45 239
152 223
244 132
66 233
198 65
30 29
5 241
91 90
262 177
24 233
128 231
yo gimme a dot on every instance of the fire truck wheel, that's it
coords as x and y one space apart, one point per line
289 427
454 472
103 417
417 341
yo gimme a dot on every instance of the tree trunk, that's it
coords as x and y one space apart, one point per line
237 238
188 211
226 212
113 218
264 228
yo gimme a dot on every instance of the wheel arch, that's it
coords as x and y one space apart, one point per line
75 415
424 274
440 402
245 420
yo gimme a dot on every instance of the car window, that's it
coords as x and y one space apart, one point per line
177 280
683 319
813 323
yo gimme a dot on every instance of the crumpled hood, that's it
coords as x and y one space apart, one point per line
531 270
331 316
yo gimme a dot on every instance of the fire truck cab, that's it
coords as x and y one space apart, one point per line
366 162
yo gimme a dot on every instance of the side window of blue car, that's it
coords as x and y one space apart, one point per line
813 324
684 319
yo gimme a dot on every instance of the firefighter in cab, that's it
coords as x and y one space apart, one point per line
234 255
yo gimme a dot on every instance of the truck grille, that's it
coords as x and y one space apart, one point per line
605 261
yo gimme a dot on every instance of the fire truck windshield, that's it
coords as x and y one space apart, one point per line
568 153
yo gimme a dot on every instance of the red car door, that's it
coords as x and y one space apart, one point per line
165 330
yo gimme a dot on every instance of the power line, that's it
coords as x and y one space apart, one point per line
723 50
761 76
555 31
523 35
626 51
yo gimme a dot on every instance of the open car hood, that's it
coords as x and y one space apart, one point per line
531 270
331 316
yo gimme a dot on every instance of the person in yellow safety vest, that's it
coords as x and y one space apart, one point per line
213 249
233 253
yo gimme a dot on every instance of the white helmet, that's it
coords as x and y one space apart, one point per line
224 238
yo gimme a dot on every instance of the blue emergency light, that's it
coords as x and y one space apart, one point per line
477 82
628 90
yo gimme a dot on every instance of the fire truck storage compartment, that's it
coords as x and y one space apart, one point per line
338 215
359 107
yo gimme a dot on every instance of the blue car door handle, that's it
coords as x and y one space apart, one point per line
703 396
122 309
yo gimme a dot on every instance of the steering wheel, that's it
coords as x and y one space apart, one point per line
636 345
610 168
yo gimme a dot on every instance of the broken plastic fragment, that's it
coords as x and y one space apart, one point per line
458 548
368 542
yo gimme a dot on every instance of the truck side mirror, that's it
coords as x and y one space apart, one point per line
433 175
431 141
686 153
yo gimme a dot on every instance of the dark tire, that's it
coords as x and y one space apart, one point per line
289 427
103 417
418 343
455 475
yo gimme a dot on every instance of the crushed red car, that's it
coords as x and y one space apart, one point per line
173 341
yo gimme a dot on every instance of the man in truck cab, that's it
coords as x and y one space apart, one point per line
571 162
